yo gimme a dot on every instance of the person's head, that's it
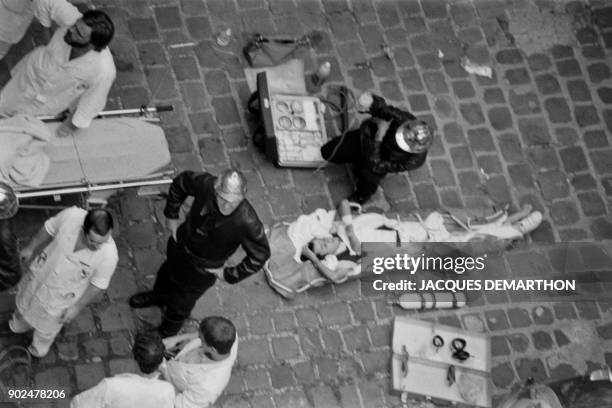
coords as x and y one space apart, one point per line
94 29
8 201
324 246
230 189
97 228
148 351
218 335
414 136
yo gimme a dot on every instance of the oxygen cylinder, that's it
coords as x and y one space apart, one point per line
321 75
432 300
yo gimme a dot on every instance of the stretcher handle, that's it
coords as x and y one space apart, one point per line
120 112
162 108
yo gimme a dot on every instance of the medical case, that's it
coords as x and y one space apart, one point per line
294 127
423 357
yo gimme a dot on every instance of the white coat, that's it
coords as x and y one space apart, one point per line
127 391
16 16
47 82
58 277
198 385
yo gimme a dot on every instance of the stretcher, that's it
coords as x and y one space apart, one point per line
115 152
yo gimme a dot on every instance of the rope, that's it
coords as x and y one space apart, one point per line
349 100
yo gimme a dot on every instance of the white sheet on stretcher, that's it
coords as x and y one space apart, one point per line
110 150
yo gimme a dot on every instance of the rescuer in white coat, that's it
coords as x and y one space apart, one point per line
75 72
17 15
71 260
202 367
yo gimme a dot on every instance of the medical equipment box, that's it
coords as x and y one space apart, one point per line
425 363
294 127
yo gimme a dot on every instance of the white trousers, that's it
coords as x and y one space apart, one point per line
41 342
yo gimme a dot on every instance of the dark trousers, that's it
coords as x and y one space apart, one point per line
10 265
347 149
180 283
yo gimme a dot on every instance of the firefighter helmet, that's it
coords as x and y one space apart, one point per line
414 136
231 186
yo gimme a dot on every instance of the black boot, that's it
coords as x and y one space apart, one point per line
169 327
358 198
144 299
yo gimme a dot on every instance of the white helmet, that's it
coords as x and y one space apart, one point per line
414 136
231 186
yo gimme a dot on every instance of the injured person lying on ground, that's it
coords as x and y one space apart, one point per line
325 246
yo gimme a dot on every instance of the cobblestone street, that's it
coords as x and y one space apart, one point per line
537 132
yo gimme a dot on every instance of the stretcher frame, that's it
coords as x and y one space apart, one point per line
86 189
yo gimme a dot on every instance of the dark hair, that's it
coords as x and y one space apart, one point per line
101 221
311 247
218 332
102 28
148 351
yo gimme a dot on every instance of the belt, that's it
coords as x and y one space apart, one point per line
200 262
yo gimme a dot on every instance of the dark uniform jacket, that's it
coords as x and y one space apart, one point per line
212 237
10 265
385 156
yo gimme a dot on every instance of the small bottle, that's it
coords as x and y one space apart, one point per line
321 75
224 37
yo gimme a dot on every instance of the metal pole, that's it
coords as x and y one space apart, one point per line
105 114
74 190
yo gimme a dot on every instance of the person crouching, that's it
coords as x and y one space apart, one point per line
391 141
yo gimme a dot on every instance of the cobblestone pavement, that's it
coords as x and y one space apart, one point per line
537 132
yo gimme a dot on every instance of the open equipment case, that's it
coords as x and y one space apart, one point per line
294 127
424 363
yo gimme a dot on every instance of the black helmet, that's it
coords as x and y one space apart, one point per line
414 136
8 201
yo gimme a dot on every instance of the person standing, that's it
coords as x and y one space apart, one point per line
142 390
17 15
219 221
202 366
71 260
391 141
74 71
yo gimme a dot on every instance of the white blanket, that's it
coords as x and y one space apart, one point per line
23 161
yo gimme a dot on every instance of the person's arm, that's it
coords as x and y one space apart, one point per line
36 245
257 248
61 12
380 109
344 210
93 100
172 341
337 276
187 183
45 235
92 398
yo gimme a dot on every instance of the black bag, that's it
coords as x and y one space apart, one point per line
10 265
263 51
